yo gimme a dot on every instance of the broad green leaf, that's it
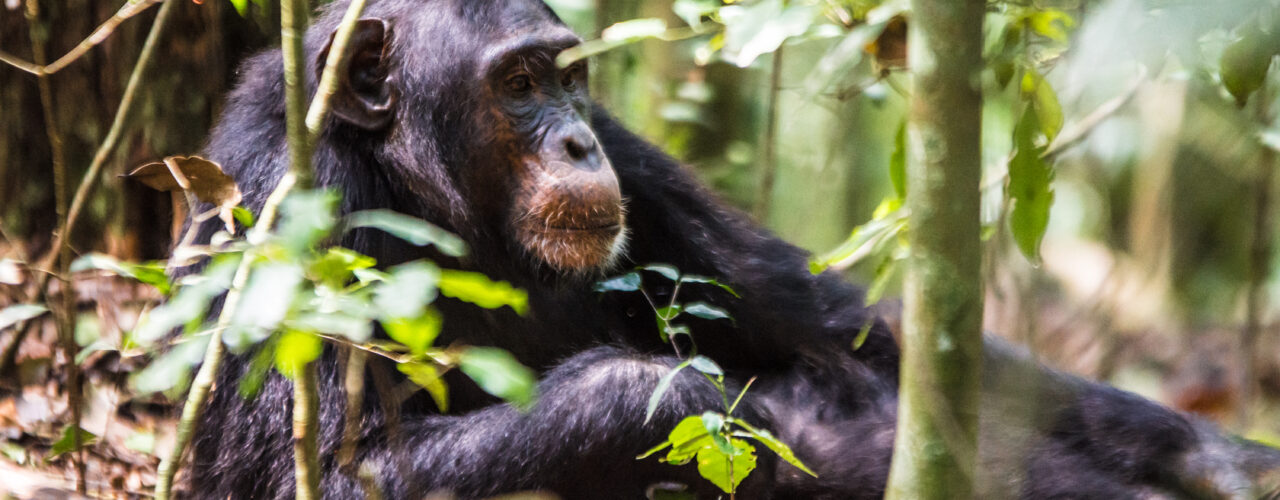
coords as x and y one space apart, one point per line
241 6
724 470
692 11
629 282
781 449
670 330
428 377
68 441
898 162
151 273
670 312
264 302
1051 23
407 290
295 350
171 369
664 383
1030 188
705 365
410 229
760 28
714 424
18 313
477 289
1245 63
688 436
336 265
498 373
667 271
416 333
706 311
634 29
354 328
306 218
189 304
1041 95
694 278
243 216
259 366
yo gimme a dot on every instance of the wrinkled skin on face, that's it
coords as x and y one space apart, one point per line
567 208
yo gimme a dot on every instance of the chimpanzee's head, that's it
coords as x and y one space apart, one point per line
474 116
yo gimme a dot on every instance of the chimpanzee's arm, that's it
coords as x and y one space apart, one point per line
580 440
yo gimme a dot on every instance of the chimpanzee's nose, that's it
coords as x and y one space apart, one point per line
580 145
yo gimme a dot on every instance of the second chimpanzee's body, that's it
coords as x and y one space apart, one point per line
453 112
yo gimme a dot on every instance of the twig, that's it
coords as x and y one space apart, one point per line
128 10
1081 129
90 179
335 64
1259 257
204 379
770 161
67 320
306 460
293 19
354 384
145 60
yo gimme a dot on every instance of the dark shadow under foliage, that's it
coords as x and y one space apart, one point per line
454 153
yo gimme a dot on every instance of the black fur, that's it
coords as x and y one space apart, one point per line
599 355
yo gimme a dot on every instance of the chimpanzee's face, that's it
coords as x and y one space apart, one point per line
566 208
482 120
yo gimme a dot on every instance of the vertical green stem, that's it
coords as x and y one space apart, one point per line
935 450
305 454
65 318
293 22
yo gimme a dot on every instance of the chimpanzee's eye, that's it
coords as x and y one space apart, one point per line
519 84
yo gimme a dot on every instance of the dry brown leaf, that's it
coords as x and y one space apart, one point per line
203 178
890 48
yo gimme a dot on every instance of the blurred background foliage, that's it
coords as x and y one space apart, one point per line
1150 120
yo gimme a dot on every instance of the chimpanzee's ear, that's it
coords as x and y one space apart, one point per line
366 94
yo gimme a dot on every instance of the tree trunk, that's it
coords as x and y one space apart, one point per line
936 444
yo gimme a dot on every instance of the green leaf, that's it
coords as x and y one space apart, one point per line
477 289
410 229
781 449
68 441
1045 100
664 383
407 290
189 304
18 313
863 333
306 218
355 328
1245 63
688 436
151 273
256 375
264 303
694 278
670 312
714 424
629 282
499 374
633 30
336 265
760 28
416 333
1030 188
884 274
172 369
428 377
706 365
706 311
241 214
692 11
295 350
667 271
1051 23
727 471
898 161
242 8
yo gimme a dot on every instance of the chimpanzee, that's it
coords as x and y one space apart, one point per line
455 111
